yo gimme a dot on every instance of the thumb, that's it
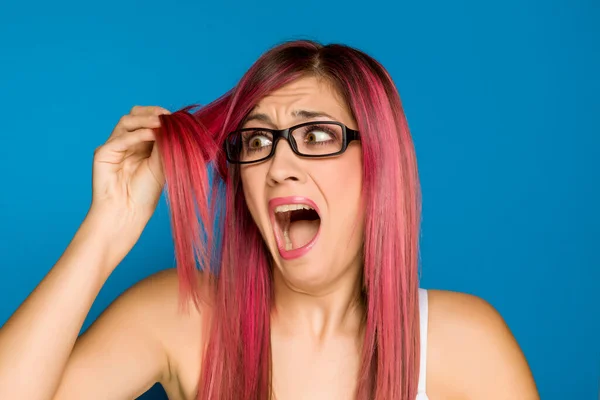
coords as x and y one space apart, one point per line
155 164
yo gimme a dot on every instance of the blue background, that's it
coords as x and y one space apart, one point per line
501 97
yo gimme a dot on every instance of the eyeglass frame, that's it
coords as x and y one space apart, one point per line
348 135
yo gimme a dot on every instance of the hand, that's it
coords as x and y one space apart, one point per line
127 172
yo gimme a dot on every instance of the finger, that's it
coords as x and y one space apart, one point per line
148 110
128 140
131 123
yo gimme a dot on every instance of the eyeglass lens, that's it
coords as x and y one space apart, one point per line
315 139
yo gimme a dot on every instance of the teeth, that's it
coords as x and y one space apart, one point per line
292 207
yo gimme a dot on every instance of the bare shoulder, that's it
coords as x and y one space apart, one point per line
145 336
180 330
472 353
156 298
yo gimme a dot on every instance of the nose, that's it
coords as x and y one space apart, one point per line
284 165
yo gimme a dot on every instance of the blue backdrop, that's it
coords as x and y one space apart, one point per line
501 97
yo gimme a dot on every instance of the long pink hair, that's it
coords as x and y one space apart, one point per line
236 264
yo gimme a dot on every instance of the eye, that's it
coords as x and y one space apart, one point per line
317 135
257 141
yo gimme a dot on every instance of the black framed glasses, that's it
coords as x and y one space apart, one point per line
309 139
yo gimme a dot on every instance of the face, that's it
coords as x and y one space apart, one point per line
312 250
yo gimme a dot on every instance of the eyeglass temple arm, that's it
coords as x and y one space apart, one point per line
351 134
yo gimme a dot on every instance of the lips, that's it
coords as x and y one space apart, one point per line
280 210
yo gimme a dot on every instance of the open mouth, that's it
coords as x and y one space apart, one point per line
296 228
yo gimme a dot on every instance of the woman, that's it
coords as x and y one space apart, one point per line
313 293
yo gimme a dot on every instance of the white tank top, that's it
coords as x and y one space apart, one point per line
423 316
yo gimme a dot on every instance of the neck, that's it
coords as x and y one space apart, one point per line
320 313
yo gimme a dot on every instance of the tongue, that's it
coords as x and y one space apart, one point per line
302 231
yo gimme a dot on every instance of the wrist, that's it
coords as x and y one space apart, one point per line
114 232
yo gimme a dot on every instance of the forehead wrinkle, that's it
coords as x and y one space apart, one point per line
301 115
302 100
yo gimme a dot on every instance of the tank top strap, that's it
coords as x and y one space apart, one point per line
423 317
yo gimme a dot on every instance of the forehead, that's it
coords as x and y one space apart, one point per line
307 93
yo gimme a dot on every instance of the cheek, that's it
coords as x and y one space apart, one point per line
342 185
348 179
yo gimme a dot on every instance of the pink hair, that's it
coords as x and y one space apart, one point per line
237 361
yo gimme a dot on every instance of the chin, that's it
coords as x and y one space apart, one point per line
308 274
306 280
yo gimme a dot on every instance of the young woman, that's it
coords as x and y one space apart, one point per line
311 289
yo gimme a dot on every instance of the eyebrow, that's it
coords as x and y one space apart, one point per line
298 114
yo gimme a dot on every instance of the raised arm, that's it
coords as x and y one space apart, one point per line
36 343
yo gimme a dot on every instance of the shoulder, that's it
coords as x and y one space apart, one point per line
176 326
155 299
472 353
142 338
